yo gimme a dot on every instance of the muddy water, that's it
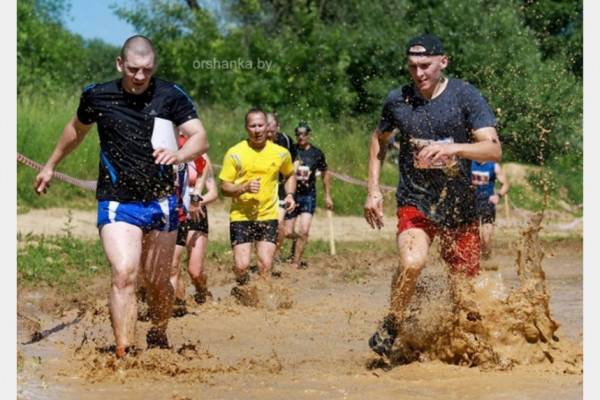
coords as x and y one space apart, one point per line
482 323
315 348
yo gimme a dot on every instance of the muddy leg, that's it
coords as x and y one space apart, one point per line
157 258
122 245
413 246
197 243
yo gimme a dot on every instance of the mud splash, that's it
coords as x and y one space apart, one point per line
189 362
481 323
265 294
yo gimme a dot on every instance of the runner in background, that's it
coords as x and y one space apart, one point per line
310 159
483 177
283 140
193 178
250 177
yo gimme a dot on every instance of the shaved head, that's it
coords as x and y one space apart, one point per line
139 45
272 117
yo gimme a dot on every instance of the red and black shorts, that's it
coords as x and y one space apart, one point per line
460 246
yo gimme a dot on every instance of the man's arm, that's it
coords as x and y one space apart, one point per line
373 209
501 177
73 134
210 184
485 148
205 180
290 189
231 189
194 147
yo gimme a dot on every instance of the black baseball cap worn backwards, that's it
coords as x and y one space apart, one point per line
432 44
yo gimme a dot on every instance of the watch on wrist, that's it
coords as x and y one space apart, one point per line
195 198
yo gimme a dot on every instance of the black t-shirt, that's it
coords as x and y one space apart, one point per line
284 141
127 171
310 160
443 192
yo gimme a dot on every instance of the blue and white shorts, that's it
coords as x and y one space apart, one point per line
160 214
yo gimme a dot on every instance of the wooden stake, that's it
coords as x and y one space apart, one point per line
506 207
331 233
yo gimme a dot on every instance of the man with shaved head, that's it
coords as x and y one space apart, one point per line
276 136
136 116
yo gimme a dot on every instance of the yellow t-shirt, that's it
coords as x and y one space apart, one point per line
241 164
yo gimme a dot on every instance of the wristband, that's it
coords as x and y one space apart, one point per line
195 198
290 194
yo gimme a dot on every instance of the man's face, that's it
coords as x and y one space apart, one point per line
136 71
255 126
426 71
302 137
271 129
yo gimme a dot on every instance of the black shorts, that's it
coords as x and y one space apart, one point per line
189 225
486 211
253 231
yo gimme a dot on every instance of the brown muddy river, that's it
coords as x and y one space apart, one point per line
307 339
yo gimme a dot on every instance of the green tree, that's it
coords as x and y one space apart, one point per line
49 56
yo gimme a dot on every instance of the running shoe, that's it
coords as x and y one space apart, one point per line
383 339
157 338
179 308
276 271
243 279
202 295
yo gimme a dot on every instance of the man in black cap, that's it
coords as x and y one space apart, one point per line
443 124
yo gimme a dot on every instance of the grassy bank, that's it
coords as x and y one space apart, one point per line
40 122
69 264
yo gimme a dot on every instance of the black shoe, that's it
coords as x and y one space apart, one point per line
179 302
179 308
383 339
303 265
201 296
157 338
242 280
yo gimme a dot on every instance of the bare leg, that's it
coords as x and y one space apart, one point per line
176 272
289 225
304 221
281 231
265 251
157 258
241 258
122 245
486 240
196 243
413 246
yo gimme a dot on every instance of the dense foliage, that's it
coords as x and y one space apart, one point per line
333 61
49 57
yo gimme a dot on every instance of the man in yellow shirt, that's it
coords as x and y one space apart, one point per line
250 177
